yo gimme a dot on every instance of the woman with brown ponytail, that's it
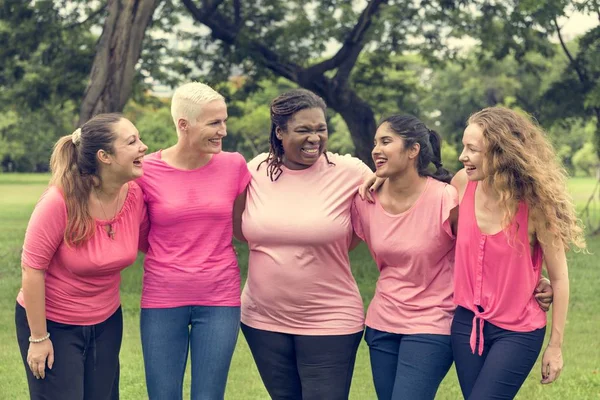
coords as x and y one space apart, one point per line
302 313
84 230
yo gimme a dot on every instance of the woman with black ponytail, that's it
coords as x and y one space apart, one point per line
410 232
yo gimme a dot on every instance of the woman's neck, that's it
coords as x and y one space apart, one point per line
405 184
184 156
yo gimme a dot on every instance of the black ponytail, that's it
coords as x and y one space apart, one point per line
413 131
441 174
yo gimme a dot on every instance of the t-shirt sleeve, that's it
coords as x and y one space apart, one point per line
358 167
449 202
244 175
45 231
356 217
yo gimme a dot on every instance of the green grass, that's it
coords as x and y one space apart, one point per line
580 378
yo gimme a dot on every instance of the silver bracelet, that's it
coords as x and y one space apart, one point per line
46 337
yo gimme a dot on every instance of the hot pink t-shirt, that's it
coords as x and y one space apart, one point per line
497 272
82 283
414 252
298 230
191 260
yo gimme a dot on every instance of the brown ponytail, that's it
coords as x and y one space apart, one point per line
74 167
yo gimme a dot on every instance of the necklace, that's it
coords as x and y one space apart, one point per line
111 232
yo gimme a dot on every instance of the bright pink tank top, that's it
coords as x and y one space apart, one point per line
496 273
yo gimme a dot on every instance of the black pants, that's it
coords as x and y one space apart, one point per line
507 358
86 359
302 367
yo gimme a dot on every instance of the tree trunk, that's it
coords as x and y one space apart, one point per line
117 54
360 119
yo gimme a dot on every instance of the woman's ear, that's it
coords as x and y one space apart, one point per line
413 152
278 133
103 157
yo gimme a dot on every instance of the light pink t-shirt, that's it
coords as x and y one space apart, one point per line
414 252
298 230
497 272
191 260
82 283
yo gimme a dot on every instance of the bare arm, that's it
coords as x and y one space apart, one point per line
238 209
556 263
34 294
459 181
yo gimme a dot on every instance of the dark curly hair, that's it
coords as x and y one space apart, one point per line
282 109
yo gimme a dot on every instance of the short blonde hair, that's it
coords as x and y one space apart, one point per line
188 99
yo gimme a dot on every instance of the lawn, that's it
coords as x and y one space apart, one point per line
580 378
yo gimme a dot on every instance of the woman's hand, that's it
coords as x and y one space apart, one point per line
552 364
544 294
369 186
37 355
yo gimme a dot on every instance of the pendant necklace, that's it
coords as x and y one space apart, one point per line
111 232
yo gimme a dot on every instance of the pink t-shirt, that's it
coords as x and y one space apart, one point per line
414 252
298 230
497 272
82 283
191 260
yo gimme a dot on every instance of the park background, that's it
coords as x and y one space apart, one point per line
63 61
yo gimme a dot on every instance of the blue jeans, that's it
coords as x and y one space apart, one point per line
210 333
408 366
507 358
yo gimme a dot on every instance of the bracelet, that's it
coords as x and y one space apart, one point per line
46 337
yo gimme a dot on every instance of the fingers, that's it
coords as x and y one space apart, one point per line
550 374
33 366
370 198
51 359
41 370
361 192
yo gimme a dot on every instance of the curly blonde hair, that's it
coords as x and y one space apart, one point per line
521 165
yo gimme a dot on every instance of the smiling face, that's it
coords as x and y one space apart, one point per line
128 151
207 133
304 138
390 155
473 153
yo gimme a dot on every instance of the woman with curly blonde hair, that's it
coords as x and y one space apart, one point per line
514 215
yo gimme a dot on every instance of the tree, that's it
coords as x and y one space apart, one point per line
262 39
526 25
118 51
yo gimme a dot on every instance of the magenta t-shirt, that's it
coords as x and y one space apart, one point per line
82 283
191 260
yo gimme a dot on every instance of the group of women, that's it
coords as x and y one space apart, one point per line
460 258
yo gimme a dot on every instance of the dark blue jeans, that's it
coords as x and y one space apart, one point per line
210 333
506 361
408 366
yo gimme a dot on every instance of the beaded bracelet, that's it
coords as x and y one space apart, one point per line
46 337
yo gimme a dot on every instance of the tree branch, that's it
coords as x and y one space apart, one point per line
92 15
223 30
346 57
572 61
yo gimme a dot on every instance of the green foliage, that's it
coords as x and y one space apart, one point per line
45 56
586 161
154 122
